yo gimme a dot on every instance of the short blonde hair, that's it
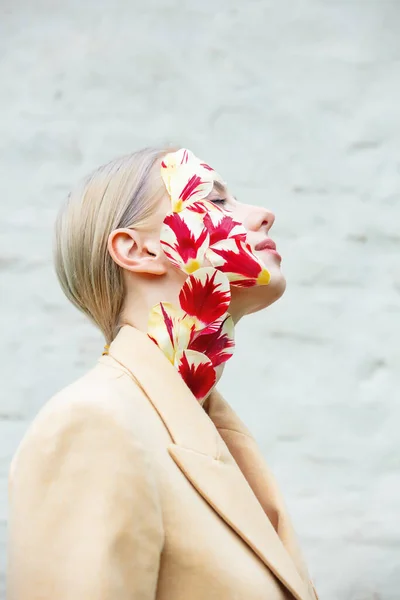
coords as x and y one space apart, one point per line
121 193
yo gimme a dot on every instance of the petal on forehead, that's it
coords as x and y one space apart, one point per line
180 157
186 186
187 178
183 156
189 186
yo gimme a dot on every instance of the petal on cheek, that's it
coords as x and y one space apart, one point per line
221 227
205 207
184 240
236 259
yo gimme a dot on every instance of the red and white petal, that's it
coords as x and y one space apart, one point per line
174 159
221 227
169 165
205 206
172 162
162 327
186 178
197 372
189 186
185 331
219 224
215 175
217 341
170 328
205 295
185 240
184 156
236 259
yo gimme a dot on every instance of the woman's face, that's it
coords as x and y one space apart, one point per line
257 222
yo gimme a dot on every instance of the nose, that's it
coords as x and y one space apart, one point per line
258 218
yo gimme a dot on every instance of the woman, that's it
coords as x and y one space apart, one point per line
138 481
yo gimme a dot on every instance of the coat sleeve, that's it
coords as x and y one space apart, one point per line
85 518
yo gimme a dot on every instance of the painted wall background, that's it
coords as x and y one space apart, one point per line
297 104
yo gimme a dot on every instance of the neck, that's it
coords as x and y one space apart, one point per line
144 292
141 298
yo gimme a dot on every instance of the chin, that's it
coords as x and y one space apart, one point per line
245 301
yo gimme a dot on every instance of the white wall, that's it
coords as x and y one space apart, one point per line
296 103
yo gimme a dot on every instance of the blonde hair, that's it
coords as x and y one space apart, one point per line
121 193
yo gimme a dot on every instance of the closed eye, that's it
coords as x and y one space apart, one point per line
218 200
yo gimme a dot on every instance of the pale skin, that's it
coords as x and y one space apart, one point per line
150 277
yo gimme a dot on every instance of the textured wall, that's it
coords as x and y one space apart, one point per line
297 104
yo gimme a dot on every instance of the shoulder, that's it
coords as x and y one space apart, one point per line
81 472
97 410
105 390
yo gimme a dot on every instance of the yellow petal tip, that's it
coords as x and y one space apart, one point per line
264 277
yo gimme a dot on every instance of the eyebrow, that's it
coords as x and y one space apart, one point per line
219 187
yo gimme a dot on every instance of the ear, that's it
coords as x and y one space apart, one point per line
135 251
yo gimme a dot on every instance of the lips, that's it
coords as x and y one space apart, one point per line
267 243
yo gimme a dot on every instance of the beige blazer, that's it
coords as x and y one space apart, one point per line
125 488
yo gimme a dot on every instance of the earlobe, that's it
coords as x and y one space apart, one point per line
152 259
132 253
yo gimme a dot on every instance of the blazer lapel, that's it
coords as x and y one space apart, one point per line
202 455
244 449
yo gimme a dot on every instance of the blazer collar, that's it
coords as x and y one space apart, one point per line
202 455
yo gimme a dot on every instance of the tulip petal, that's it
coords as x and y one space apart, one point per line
186 185
161 328
184 240
236 259
171 163
197 372
186 178
216 342
216 176
170 328
221 226
205 295
203 207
